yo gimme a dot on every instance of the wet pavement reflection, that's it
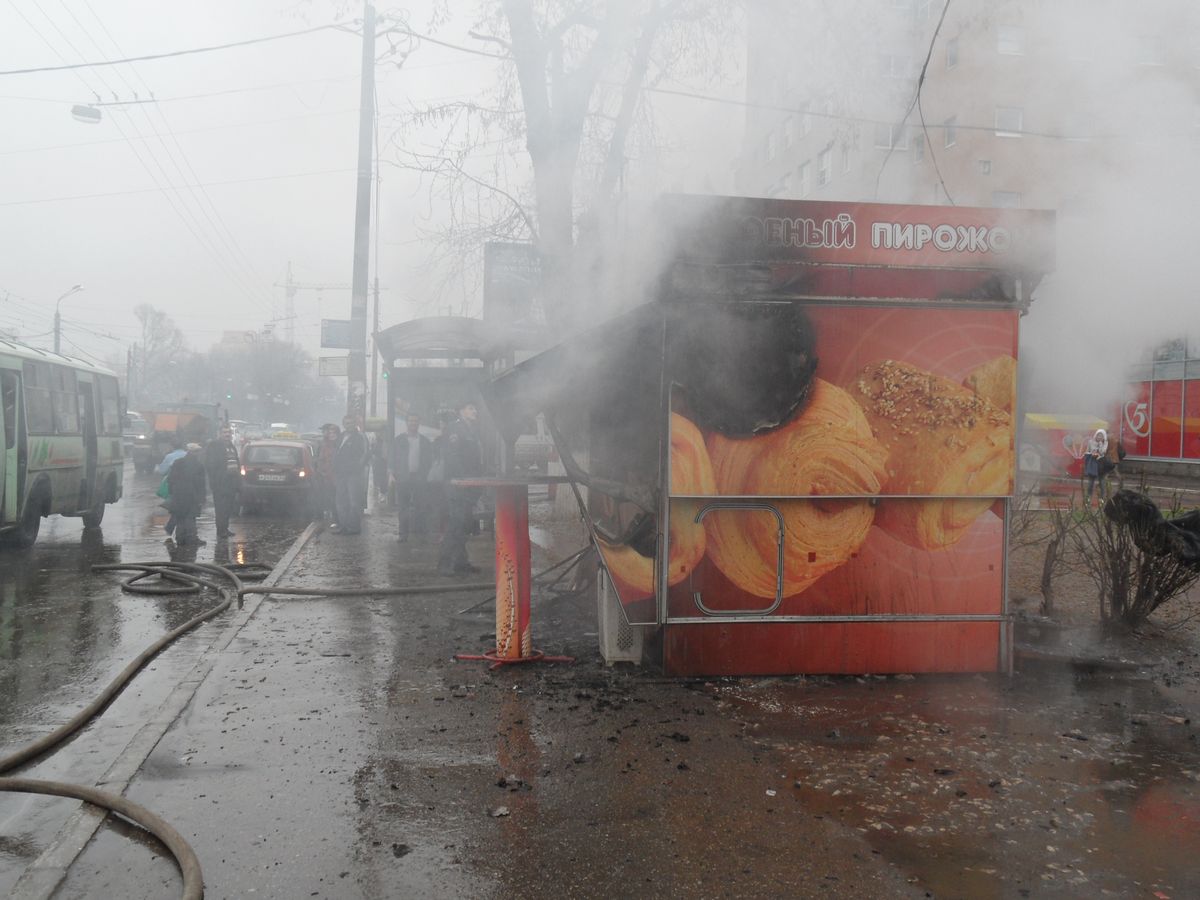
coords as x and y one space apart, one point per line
338 749
66 632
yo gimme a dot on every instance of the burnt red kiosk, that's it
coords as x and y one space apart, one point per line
797 455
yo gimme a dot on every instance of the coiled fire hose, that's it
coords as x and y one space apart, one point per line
179 578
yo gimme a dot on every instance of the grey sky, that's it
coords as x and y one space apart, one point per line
210 257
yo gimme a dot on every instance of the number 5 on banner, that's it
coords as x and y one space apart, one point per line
1138 420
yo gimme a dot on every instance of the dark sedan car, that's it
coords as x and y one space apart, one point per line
277 473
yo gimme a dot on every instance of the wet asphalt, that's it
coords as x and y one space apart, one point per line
336 749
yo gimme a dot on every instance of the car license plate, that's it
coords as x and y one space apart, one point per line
272 478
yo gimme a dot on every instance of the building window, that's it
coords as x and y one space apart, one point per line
789 132
1006 200
804 176
951 128
825 167
918 148
1008 121
772 146
805 124
1010 40
951 53
985 167
889 136
924 8
845 157
782 187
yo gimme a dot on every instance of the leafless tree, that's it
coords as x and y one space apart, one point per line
571 85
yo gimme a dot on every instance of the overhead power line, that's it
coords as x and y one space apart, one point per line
151 56
160 189
244 124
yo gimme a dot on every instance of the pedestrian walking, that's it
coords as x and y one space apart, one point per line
224 471
412 456
1093 457
186 481
164 468
349 477
463 458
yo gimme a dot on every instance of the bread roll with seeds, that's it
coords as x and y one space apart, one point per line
995 381
942 440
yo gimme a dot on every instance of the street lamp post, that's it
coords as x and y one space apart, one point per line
58 317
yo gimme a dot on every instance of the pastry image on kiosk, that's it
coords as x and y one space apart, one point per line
797 455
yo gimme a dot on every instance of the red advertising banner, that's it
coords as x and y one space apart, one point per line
1191 419
861 234
1166 413
880 494
1135 419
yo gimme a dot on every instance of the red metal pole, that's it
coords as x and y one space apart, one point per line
512 573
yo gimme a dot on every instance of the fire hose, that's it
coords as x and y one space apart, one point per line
175 578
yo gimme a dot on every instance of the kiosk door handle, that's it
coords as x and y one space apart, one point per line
704 511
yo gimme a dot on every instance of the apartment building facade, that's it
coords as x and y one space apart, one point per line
1052 104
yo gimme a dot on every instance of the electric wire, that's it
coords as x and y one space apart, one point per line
908 112
225 125
152 56
203 201
175 200
160 189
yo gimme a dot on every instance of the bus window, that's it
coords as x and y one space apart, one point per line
8 398
110 405
38 418
65 400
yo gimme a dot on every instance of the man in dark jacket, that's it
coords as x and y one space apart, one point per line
186 483
412 455
224 478
463 459
350 478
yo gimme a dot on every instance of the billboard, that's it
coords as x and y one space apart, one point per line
881 493
512 275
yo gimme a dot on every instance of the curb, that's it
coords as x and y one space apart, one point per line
44 875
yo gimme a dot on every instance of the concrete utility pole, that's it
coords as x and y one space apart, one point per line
375 343
356 394
58 317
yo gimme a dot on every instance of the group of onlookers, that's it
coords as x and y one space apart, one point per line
417 477
420 478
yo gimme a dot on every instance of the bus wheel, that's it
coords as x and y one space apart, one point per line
94 516
31 524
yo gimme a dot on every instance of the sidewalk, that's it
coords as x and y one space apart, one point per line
336 749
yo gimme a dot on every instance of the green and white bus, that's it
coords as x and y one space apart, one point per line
60 420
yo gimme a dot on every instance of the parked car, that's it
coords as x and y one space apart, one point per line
277 473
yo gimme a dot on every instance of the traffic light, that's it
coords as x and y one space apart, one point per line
229 396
